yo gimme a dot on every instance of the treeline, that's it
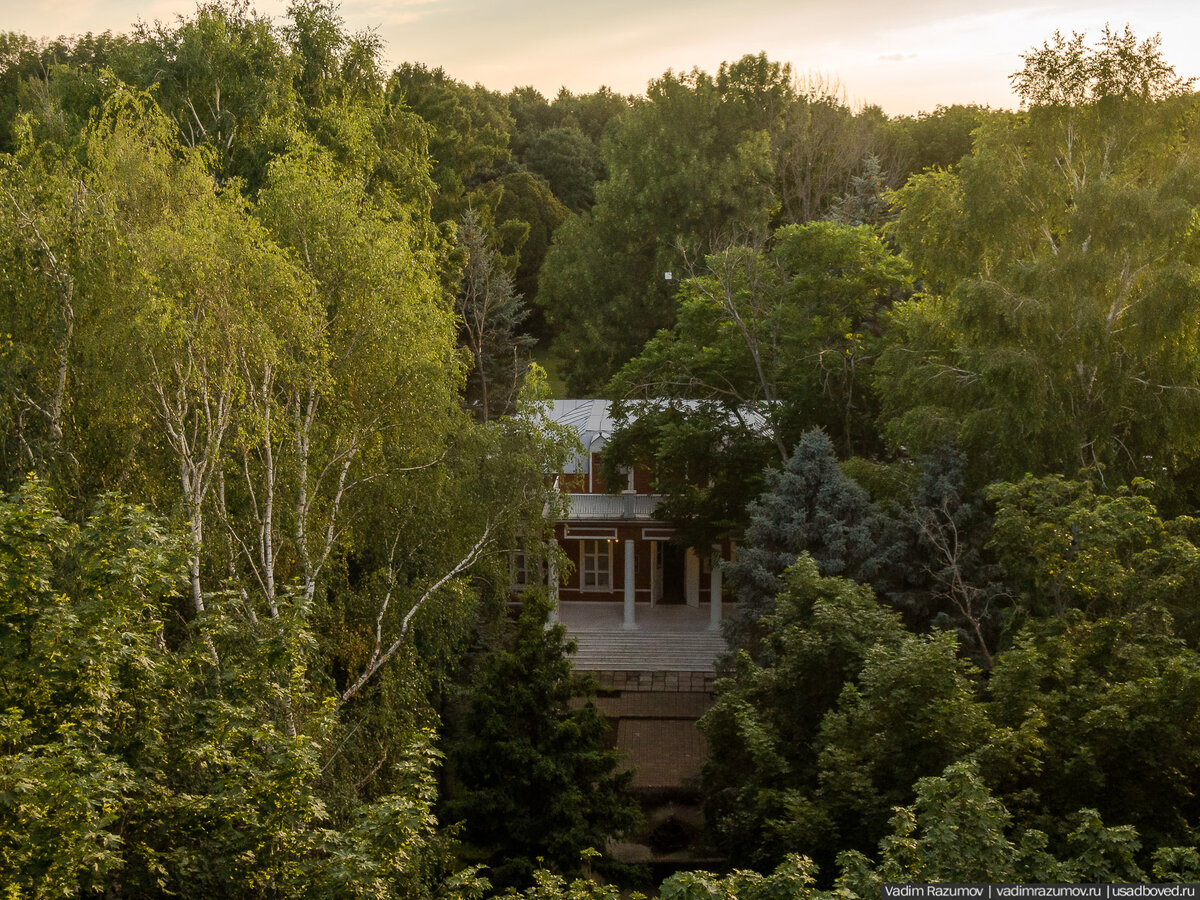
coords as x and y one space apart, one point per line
706 162
967 575
267 438
269 435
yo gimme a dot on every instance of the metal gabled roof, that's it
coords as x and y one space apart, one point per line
591 421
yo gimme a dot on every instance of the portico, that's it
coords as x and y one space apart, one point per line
622 556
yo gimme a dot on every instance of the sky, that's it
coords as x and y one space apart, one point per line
905 56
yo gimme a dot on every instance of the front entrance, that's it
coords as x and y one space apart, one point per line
670 571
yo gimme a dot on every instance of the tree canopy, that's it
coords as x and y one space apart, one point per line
1058 263
269 436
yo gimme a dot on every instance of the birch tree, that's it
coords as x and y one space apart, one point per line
1060 328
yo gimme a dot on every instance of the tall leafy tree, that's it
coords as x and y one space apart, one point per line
769 341
133 763
227 80
784 335
76 66
818 144
685 168
526 200
593 113
1097 713
936 140
843 711
1059 330
813 745
569 162
279 376
1066 546
468 131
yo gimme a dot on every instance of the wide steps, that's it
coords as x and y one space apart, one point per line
647 652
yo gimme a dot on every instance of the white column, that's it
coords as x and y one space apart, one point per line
714 609
630 588
691 578
552 588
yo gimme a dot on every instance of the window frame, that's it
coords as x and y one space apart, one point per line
519 573
596 561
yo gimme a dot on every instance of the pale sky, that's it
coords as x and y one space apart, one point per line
905 57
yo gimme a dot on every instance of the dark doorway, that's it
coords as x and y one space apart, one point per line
672 555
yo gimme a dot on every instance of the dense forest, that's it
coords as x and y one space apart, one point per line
271 426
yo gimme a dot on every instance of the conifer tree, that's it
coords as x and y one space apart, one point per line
531 773
491 312
811 507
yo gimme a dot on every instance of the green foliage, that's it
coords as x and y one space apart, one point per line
569 162
525 199
818 144
768 343
549 885
531 772
140 756
957 831
74 73
808 507
468 129
866 202
762 779
924 549
225 78
684 167
1100 714
705 463
792 879
1066 72
593 113
848 711
938 565
271 365
1059 333
785 335
911 711
936 140
954 831
1068 546
227 283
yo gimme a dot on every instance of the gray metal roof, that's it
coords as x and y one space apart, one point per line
591 421
594 423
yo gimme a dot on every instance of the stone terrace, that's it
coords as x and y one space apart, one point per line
672 639
655 681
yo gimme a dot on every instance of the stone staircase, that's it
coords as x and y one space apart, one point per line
637 651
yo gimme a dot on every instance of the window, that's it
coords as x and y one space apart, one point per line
596 566
518 569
